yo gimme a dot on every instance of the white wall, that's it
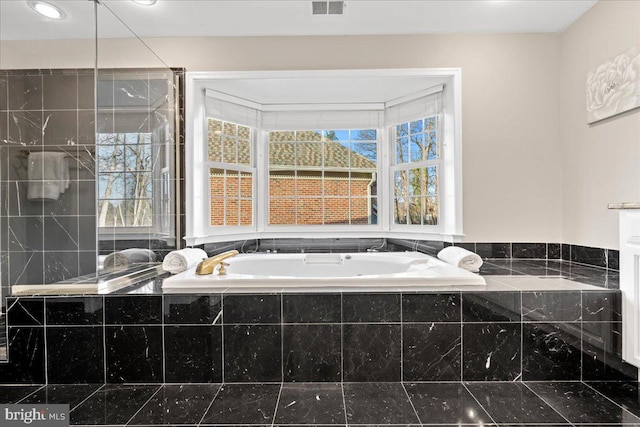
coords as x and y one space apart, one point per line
511 150
600 162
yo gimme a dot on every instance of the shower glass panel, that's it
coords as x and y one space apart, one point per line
136 137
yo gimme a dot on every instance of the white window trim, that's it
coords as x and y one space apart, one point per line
438 163
450 194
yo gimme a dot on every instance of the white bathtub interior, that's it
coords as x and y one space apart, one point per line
362 271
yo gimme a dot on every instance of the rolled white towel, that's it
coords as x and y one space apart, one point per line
178 261
123 259
461 257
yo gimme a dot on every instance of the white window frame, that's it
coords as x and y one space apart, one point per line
251 168
449 228
320 228
394 166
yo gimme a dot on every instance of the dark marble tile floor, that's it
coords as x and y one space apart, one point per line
343 404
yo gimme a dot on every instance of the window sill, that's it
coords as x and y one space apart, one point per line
437 236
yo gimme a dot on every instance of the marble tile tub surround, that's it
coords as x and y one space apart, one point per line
333 404
597 257
497 335
534 259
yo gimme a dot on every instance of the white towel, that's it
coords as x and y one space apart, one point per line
123 259
48 175
178 261
461 257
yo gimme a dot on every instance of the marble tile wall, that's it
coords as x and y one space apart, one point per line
350 337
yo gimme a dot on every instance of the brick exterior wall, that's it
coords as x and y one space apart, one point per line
285 201
237 210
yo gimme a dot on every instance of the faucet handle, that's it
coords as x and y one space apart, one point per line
222 270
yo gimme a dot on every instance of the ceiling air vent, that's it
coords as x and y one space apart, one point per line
328 7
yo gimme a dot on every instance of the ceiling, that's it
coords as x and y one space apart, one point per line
201 18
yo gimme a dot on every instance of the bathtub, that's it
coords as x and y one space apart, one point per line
347 271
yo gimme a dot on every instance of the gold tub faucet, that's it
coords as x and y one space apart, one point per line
208 265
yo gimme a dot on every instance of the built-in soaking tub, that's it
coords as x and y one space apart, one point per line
357 271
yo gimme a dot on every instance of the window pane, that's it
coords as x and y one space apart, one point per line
335 185
246 212
415 210
309 135
215 147
282 184
232 211
309 211
230 129
111 186
430 123
364 155
402 130
319 166
360 185
400 211
336 135
432 181
139 185
430 211
138 157
364 210
400 184
282 154
402 150
244 152
134 138
217 211
138 213
282 211
309 184
244 132
110 213
214 126
231 191
110 158
309 155
108 139
415 182
216 178
229 151
336 210
418 151
416 127
282 136
232 184
364 135
336 154
246 185
432 146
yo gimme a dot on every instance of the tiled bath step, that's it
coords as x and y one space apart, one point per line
342 404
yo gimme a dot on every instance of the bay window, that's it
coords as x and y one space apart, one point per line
318 169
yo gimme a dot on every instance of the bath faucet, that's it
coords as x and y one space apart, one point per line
208 265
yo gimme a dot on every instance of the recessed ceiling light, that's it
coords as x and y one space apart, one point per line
145 2
47 9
